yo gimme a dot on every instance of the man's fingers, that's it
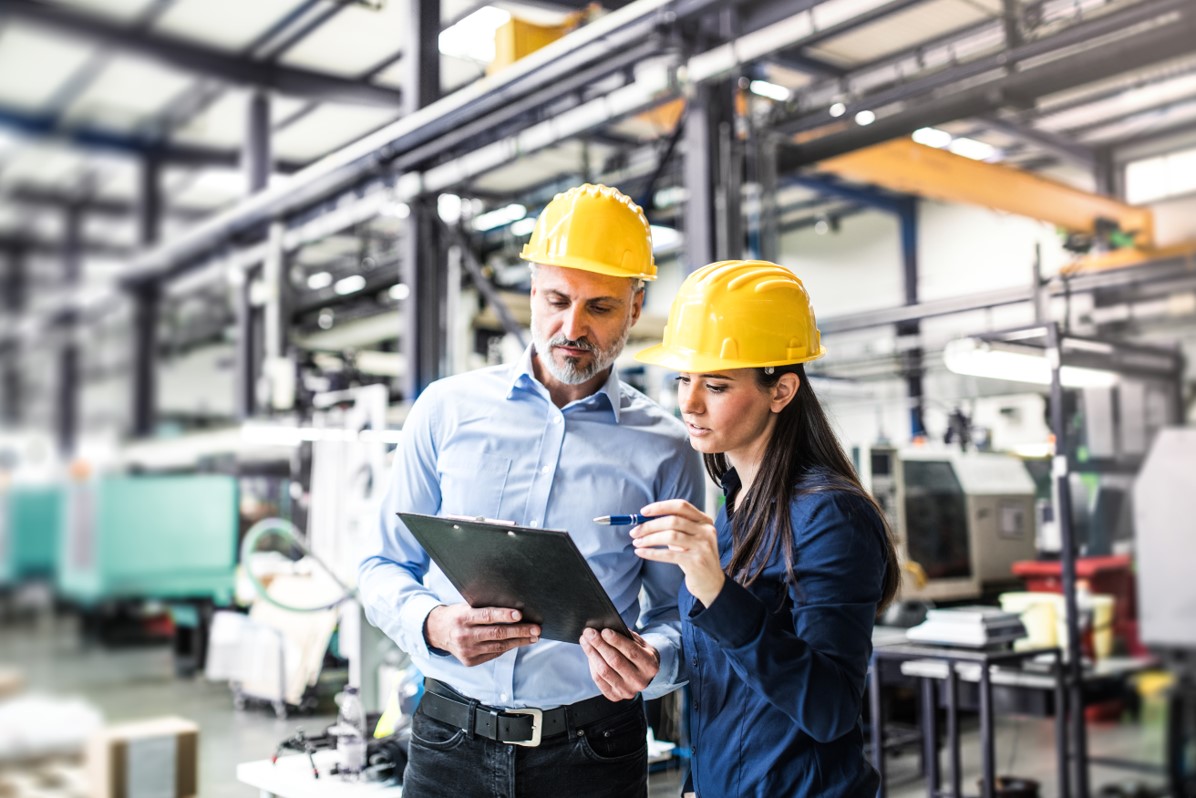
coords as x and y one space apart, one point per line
484 616
627 647
503 631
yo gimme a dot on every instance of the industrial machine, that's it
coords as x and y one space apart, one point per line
29 532
1164 506
150 537
962 519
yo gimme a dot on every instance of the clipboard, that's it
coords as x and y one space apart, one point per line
539 572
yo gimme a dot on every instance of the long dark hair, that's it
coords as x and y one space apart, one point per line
803 456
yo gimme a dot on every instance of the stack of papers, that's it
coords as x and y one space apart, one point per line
970 627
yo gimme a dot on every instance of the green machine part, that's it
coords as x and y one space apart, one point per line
30 531
151 537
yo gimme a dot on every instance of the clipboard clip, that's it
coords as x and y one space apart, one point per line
481 519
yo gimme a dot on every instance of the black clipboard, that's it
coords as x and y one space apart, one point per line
539 572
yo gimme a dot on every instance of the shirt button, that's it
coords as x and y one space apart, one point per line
503 696
556 420
534 522
546 470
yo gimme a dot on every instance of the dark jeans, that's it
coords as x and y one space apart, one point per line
607 759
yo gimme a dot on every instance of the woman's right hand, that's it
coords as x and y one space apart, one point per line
686 537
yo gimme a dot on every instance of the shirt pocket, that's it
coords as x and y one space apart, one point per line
472 484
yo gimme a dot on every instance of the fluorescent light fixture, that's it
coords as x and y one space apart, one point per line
1000 361
524 226
499 217
399 291
837 110
770 90
319 280
472 38
864 118
668 197
664 238
971 148
932 137
1033 450
349 285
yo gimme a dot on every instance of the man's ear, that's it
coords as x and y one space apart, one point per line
784 391
637 305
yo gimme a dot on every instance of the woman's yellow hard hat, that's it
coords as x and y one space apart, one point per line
596 229
738 314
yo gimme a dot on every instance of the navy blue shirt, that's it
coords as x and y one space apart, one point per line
777 670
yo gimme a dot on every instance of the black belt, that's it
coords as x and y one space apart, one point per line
515 726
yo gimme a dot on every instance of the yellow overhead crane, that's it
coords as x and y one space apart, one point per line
909 167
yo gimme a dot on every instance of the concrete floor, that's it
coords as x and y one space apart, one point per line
132 683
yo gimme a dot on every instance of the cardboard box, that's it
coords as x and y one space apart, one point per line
156 758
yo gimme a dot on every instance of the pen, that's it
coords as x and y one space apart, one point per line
624 520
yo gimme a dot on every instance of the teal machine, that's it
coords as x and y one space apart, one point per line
30 529
132 539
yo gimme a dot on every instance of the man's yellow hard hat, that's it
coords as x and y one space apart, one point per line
738 314
594 228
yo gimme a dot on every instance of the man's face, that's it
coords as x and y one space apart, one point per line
580 320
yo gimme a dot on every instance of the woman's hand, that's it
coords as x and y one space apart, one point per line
691 541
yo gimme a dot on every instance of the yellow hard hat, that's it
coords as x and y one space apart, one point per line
738 314
594 228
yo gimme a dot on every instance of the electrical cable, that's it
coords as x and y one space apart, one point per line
281 527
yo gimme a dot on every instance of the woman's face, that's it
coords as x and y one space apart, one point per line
727 412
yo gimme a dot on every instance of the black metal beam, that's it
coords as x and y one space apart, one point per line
48 127
1022 87
1061 146
67 417
49 247
13 299
421 61
186 54
422 312
146 305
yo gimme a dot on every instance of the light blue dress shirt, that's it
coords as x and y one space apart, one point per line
491 443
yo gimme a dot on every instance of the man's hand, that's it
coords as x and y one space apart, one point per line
477 636
620 666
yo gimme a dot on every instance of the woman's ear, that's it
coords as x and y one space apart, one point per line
783 392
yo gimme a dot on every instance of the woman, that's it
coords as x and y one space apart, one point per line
781 590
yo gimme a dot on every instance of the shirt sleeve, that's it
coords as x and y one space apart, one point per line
810 662
390 579
660 620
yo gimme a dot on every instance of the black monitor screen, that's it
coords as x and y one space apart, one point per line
936 522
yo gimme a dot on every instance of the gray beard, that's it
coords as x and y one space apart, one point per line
570 372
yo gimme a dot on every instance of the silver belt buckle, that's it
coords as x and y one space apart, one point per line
537 716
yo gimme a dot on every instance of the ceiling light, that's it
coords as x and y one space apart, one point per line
472 38
770 90
995 360
524 226
971 148
399 291
319 280
865 118
397 210
349 285
449 206
499 217
838 109
932 137
822 227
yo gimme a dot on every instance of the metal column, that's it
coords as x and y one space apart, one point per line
1060 470
67 418
423 270
13 302
146 304
255 161
423 262
907 214
713 217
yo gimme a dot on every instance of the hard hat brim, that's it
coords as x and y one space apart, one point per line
697 363
585 264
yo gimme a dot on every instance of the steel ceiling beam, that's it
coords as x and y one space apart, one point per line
185 54
1052 143
929 108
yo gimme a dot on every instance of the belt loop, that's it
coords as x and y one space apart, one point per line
470 716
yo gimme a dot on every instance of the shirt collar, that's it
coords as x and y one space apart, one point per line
524 376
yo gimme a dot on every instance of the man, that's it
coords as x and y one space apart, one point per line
553 441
